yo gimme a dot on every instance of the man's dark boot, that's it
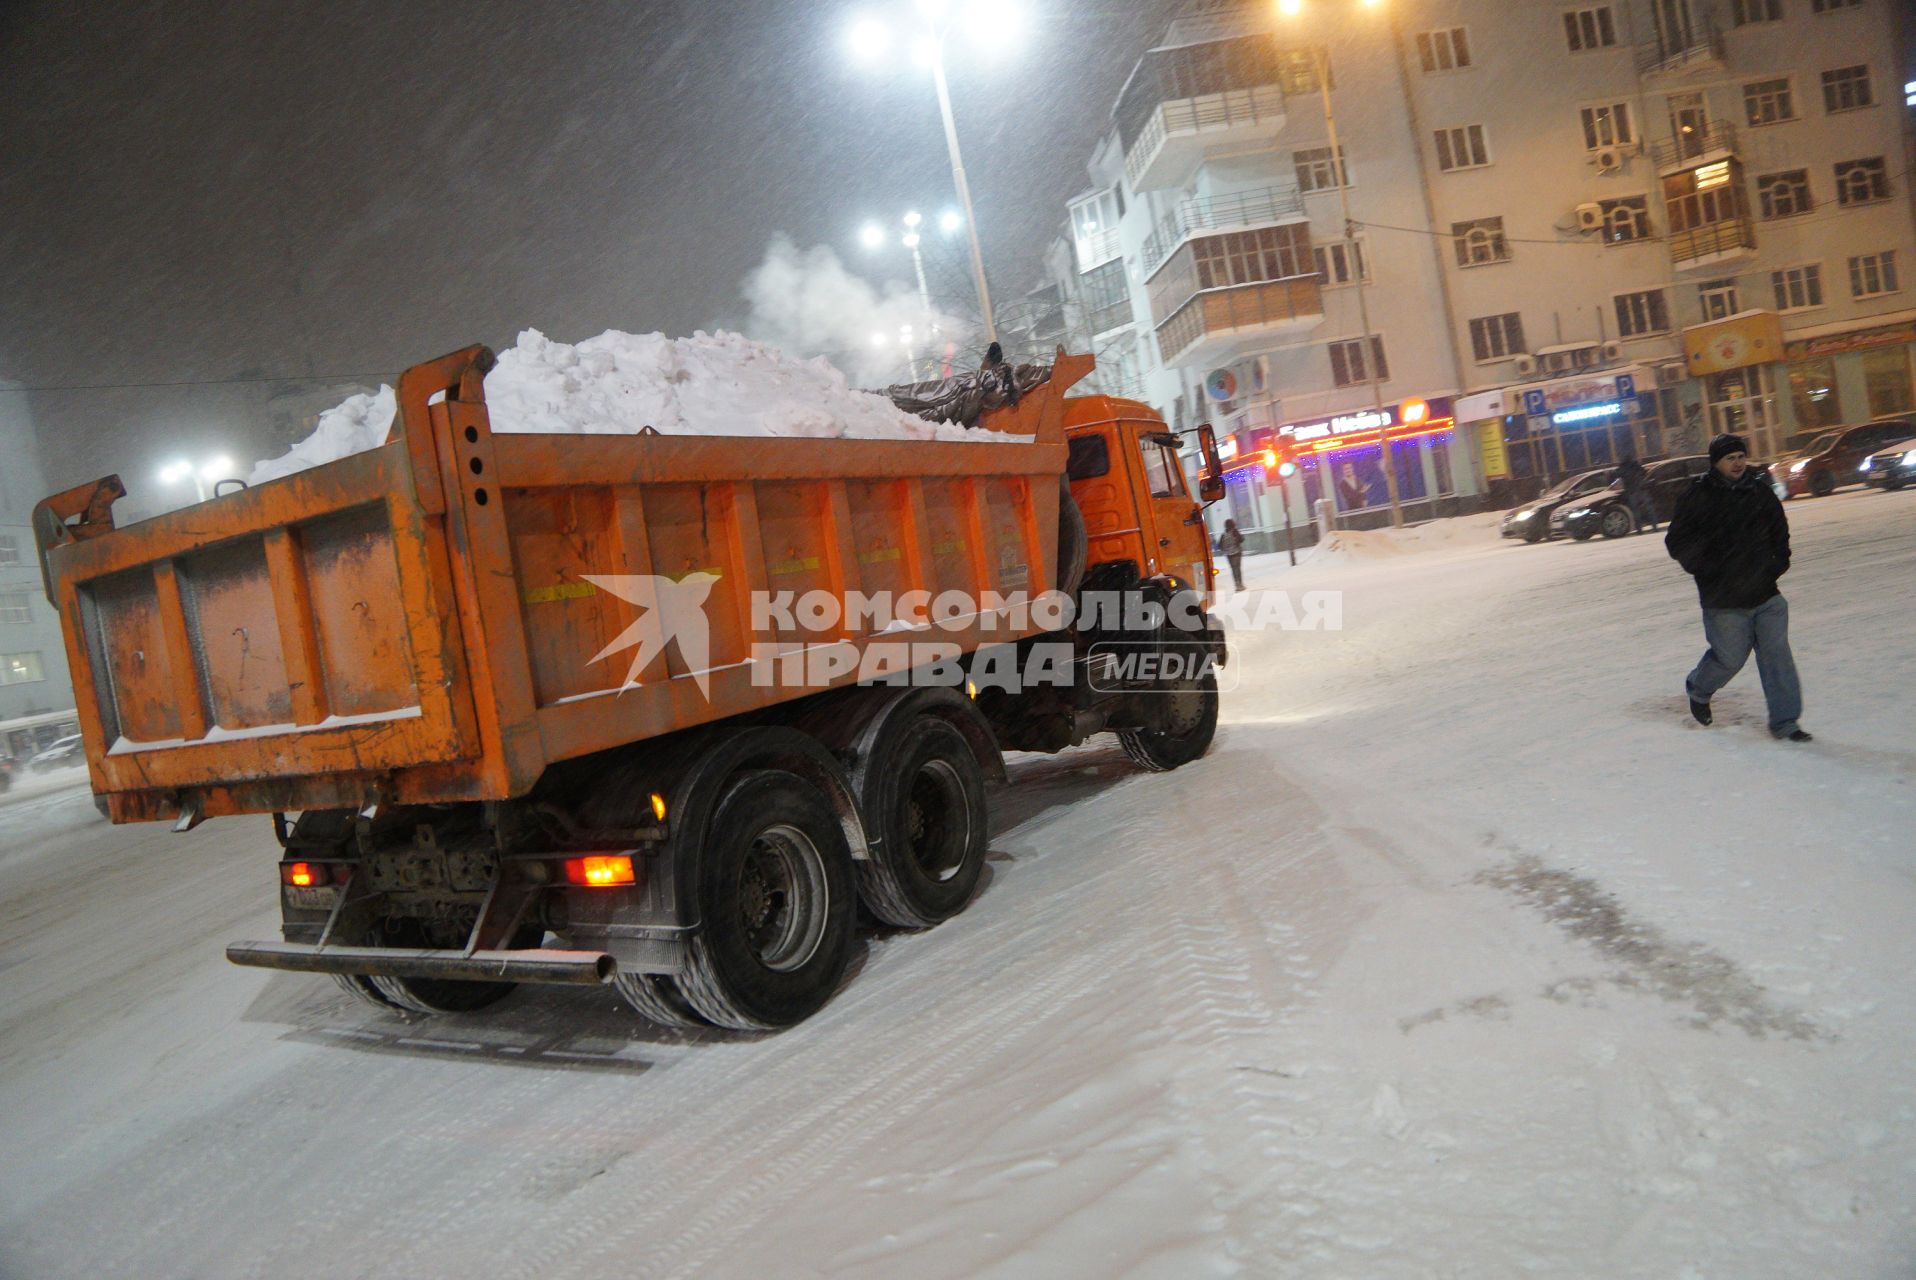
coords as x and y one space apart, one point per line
1701 711
1800 735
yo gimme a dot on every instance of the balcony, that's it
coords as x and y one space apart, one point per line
1694 150
1680 45
1182 102
1263 207
1095 248
1710 222
1219 296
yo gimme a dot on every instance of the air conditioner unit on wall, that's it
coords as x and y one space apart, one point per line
1590 217
1525 365
1607 159
1612 351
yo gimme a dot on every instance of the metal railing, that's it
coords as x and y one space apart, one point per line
1096 248
1211 111
1712 238
1703 42
1679 151
1263 207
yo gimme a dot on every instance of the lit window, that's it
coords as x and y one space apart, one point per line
21 668
1768 102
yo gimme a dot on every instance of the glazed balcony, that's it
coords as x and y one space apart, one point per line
1182 102
1241 210
1219 296
1710 223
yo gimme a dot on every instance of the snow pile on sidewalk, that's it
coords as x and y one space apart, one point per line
717 384
1451 533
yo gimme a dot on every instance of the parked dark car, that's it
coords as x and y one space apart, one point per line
1835 458
1531 521
62 753
1607 513
1890 468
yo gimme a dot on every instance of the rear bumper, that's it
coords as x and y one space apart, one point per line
569 968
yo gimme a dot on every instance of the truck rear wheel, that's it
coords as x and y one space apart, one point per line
440 995
930 828
775 901
657 999
1190 725
361 988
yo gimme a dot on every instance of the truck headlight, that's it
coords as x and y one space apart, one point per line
1797 467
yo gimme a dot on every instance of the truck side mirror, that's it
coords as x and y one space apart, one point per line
1211 483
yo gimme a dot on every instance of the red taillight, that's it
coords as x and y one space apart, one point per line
600 871
304 875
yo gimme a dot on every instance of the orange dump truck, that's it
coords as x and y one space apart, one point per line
645 710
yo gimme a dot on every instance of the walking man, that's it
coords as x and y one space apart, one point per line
1632 474
1231 543
1730 534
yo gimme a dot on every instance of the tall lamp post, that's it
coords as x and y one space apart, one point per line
871 40
1290 9
875 237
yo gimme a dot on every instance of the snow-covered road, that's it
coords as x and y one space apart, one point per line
1463 954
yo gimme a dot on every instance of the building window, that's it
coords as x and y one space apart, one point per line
9 549
1626 219
1745 12
1783 195
14 606
1886 381
21 668
1831 6
1607 125
1846 89
1798 288
1813 391
1462 148
1872 274
1341 262
1495 337
1348 368
1641 313
1252 257
1105 295
1590 28
1768 102
1443 50
1480 242
1862 181
1718 299
1316 172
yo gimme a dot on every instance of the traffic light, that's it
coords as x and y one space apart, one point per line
1280 459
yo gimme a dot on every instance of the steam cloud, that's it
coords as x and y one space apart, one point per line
805 302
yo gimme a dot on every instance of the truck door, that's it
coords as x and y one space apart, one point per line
1175 541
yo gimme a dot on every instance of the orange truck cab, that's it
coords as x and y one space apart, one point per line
1140 517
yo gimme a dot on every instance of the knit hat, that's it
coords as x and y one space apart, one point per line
1727 444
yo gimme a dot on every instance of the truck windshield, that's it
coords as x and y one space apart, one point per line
1161 470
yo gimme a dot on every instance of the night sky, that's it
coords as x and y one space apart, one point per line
195 191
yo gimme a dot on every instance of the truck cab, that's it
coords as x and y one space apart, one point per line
1131 488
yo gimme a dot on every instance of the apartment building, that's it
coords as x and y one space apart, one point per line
1576 230
33 665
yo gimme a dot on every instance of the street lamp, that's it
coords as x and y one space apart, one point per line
1291 9
211 472
994 20
874 237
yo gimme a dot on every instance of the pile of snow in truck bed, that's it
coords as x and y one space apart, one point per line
717 384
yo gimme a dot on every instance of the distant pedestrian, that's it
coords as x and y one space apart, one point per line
1632 474
1730 534
1231 543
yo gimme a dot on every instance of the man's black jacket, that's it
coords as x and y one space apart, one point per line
1732 537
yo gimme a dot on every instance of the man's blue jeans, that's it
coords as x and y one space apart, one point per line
1732 633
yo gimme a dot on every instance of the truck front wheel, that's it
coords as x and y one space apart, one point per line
1189 725
930 828
775 897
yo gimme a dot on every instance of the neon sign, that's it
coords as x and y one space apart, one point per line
1586 413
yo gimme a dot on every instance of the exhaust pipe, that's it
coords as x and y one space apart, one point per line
572 968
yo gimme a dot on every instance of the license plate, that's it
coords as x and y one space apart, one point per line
311 897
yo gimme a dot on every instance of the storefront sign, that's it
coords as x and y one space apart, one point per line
1755 337
1586 413
1343 425
1838 343
1576 393
1496 457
